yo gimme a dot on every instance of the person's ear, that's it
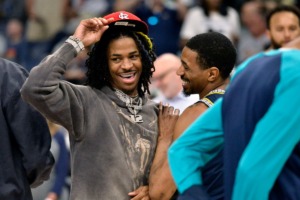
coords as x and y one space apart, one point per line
213 74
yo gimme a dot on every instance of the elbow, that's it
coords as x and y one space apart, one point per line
153 191
39 173
154 195
30 83
26 92
30 90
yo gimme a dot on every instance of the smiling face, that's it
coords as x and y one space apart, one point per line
195 79
125 65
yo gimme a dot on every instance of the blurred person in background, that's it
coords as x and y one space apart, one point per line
253 38
283 25
168 85
16 45
211 16
12 9
164 23
73 12
77 10
55 188
128 5
42 26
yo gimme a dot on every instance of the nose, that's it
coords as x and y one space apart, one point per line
179 71
127 63
287 34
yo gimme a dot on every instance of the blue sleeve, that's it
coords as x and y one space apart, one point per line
195 147
244 64
61 166
273 140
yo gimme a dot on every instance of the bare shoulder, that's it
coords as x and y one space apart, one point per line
187 117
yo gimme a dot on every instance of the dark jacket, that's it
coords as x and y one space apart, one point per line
25 158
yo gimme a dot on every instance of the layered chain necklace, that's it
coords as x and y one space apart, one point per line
133 104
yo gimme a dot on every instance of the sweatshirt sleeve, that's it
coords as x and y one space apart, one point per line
200 142
55 98
273 140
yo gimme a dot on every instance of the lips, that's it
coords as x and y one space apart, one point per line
128 77
184 81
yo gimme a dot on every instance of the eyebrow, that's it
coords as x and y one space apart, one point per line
184 63
131 53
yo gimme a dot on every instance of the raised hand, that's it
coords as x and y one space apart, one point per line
166 121
89 31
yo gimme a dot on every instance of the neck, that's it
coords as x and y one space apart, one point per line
128 93
220 85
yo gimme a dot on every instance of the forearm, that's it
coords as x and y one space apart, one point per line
44 78
161 184
45 90
160 156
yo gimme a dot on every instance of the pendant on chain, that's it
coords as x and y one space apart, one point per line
132 106
136 118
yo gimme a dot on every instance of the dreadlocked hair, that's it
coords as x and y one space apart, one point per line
98 74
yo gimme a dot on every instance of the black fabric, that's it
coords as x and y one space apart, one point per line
196 192
25 158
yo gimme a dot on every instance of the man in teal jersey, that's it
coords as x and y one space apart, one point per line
257 122
206 63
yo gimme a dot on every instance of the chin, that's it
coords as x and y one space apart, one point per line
186 93
129 91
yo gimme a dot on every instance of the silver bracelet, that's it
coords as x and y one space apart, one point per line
76 43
